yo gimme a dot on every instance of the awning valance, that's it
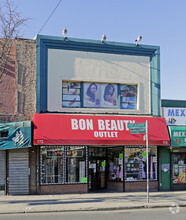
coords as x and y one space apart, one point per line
57 129
15 135
177 135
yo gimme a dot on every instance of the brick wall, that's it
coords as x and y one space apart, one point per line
18 86
7 87
60 189
25 79
115 186
141 186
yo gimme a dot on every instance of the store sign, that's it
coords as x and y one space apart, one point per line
57 129
174 116
15 135
178 135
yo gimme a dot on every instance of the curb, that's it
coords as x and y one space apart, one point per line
145 206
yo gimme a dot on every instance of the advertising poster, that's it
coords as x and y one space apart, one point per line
92 95
109 96
128 96
71 94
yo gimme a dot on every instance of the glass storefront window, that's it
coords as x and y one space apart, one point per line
76 164
115 164
152 163
179 168
52 165
132 163
135 163
63 164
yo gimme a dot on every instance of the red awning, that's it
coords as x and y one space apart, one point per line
57 129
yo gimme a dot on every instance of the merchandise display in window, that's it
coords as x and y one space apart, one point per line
132 163
179 168
75 162
152 163
115 164
63 164
52 165
136 161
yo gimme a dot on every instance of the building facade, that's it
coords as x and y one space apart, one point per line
87 93
174 111
17 108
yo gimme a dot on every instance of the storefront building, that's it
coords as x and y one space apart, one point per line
87 93
96 152
174 112
15 140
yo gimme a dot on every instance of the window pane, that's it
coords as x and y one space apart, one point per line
71 94
132 164
71 104
92 95
109 95
76 164
115 164
179 168
128 96
98 95
152 163
52 165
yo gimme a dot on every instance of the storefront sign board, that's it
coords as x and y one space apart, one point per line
15 135
174 116
56 129
177 135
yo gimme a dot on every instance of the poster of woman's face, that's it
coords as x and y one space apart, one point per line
109 96
91 95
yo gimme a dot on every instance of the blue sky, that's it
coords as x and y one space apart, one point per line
159 22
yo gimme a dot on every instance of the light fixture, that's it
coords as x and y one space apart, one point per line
64 33
103 38
138 39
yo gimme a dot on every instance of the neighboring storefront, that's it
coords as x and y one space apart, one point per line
174 112
178 157
81 153
15 138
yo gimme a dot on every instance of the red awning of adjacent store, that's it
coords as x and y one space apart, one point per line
57 129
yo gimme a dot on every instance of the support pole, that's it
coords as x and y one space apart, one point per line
147 168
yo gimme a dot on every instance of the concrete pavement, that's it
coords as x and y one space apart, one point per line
90 202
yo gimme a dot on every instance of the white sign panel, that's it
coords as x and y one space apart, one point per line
174 116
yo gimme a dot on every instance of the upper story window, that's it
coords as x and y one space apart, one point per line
98 95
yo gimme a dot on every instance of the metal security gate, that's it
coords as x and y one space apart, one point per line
2 171
18 172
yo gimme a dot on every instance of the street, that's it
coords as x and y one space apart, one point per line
171 213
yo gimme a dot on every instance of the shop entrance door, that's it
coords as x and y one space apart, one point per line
97 169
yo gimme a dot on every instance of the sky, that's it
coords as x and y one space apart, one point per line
159 22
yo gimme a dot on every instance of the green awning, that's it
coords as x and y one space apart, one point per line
177 135
15 135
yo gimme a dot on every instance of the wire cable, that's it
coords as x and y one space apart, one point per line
50 16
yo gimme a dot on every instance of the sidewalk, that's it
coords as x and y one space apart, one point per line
89 202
